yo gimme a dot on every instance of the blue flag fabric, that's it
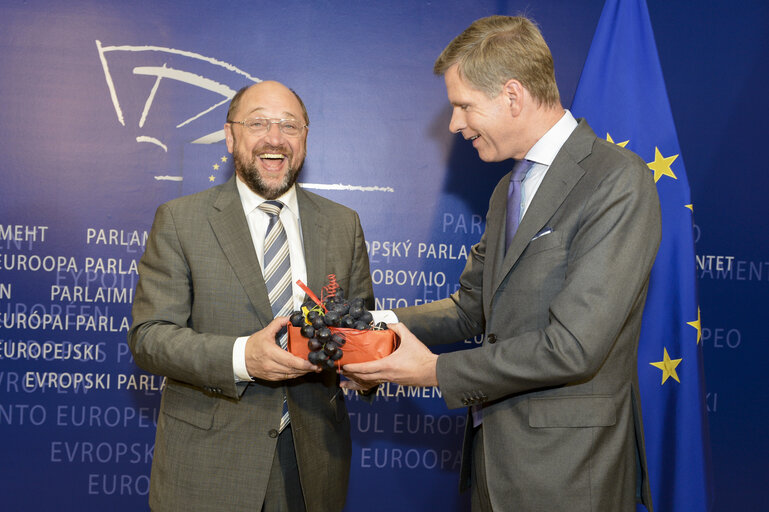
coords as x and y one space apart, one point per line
622 95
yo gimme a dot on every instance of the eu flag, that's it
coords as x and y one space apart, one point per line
622 95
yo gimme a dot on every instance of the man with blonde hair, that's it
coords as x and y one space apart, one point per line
557 284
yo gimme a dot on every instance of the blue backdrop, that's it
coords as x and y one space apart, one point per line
108 109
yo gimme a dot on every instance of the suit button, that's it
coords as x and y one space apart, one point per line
491 338
273 433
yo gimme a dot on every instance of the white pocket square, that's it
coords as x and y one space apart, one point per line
542 233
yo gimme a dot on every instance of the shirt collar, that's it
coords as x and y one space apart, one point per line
544 151
251 200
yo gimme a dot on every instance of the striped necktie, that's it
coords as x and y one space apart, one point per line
277 277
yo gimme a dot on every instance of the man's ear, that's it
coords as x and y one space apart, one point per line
513 93
228 137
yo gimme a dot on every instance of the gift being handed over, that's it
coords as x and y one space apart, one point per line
333 331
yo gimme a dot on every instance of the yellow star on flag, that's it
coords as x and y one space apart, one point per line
668 367
690 206
211 178
216 167
697 325
224 159
620 144
661 165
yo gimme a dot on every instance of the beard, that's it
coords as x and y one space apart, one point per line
248 170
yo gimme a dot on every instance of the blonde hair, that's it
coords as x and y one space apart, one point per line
495 49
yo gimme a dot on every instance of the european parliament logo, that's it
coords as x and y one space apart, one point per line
176 101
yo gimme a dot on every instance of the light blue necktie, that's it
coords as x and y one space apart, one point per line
520 169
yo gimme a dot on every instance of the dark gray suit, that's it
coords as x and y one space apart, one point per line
200 287
561 311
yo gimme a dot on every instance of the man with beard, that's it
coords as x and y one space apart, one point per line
203 318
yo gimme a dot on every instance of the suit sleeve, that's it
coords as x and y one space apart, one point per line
160 339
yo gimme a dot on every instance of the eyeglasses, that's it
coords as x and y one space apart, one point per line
260 125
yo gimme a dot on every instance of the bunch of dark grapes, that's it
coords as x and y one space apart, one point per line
315 323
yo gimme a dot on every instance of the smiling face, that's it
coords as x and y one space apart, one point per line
268 163
490 123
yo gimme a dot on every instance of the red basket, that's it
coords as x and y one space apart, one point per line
360 346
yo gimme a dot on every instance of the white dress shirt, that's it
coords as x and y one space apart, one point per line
257 225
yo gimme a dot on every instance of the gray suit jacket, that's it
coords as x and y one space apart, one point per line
200 287
561 313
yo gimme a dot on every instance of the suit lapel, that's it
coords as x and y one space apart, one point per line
495 238
231 230
561 177
314 236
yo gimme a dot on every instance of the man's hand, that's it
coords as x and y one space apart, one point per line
363 387
267 361
412 364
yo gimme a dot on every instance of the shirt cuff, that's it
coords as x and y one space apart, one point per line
239 360
385 315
